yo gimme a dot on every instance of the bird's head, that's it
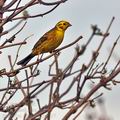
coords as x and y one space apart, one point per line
62 25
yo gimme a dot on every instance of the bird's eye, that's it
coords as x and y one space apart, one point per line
64 23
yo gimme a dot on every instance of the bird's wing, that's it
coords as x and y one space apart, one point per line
45 37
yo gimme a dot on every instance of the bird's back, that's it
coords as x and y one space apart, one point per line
49 41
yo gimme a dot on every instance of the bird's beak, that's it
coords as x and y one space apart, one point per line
70 25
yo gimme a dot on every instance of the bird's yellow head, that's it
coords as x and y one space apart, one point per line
62 25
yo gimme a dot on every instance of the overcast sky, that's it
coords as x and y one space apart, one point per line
81 14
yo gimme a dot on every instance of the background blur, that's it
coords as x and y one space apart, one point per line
81 14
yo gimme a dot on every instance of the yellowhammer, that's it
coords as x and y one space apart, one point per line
48 42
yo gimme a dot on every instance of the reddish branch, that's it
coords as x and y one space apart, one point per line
78 76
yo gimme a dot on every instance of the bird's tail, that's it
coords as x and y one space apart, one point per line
24 61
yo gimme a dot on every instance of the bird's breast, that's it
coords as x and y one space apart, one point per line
59 36
50 44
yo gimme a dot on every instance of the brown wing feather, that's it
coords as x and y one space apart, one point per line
43 38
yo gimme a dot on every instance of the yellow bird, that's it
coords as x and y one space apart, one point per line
48 42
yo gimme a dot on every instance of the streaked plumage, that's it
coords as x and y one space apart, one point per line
48 42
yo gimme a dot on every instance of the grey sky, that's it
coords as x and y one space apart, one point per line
81 14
